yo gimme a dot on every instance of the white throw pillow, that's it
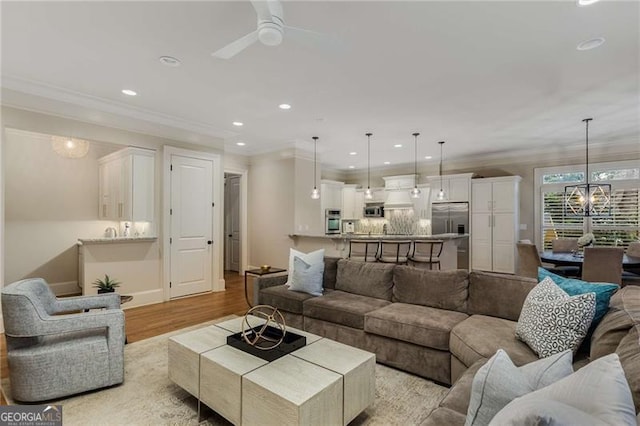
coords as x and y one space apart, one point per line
307 278
551 321
598 393
499 381
310 258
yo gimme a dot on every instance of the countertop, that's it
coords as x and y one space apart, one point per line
384 237
105 240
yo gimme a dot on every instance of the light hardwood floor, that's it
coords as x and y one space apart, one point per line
152 320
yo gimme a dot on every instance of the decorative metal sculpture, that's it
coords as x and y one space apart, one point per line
262 336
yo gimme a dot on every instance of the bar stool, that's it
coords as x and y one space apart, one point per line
364 250
394 251
426 252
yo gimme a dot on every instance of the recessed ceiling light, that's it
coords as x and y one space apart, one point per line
387 162
353 153
240 143
587 2
238 123
352 167
428 157
284 106
129 92
170 61
398 145
591 43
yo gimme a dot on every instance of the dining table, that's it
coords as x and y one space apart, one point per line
577 259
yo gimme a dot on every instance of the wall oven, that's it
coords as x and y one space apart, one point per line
331 221
373 210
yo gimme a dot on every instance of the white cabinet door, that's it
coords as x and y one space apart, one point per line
422 206
104 192
504 194
504 249
349 202
142 187
481 247
481 200
359 204
458 189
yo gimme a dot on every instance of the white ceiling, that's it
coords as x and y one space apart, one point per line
484 76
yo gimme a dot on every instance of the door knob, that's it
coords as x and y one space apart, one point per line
209 242
230 235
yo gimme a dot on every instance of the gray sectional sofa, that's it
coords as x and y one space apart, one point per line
441 325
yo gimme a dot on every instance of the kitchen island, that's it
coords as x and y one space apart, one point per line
338 245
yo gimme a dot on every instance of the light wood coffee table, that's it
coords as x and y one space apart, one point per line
324 382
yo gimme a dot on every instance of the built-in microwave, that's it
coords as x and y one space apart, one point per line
332 221
373 210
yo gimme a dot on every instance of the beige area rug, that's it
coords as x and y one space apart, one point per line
148 397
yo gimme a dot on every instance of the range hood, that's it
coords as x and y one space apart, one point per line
398 199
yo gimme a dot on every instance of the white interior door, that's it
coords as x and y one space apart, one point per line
191 225
233 222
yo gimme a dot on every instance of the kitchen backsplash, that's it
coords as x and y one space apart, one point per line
398 222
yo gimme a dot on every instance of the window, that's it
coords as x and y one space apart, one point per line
619 229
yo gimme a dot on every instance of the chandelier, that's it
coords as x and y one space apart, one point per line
587 199
69 147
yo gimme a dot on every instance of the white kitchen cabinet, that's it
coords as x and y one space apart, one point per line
494 223
331 195
359 204
422 205
455 187
349 202
126 188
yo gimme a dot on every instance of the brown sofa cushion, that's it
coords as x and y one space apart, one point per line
421 325
481 336
498 295
365 278
457 399
624 312
443 416
282 298
437 289
342 308
629 353
330 271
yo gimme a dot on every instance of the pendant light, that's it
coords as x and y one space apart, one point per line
368 194
69 147
440 196
587 199
315 194
415 192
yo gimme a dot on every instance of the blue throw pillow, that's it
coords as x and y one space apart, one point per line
307 277
574 287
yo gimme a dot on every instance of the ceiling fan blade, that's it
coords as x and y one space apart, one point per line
314 38
264 9
237 46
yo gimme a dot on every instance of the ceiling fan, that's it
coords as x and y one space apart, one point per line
270 31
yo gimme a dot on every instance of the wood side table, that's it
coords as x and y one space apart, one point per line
258 273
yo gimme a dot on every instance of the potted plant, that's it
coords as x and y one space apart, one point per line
106 285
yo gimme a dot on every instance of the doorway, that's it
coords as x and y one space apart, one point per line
232 228
192 222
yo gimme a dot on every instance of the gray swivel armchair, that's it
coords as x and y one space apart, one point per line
52 354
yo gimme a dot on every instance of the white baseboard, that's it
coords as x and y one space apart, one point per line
65 288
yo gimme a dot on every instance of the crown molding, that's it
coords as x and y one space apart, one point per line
88 102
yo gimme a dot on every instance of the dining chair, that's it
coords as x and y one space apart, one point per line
565 245
364 250
394 252
631 275
634 249
427 253
603 264
528 260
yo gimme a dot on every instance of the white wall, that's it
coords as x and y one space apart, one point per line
51 202
271 210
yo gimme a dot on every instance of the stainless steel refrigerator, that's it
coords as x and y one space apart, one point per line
453 218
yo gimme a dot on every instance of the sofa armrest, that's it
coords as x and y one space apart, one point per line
97 301
260 283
